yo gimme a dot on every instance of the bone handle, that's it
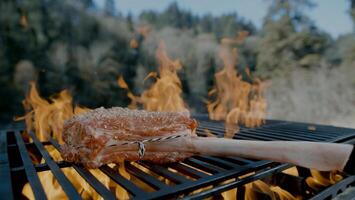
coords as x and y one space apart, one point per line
315 155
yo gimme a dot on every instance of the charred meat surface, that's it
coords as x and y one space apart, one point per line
89 138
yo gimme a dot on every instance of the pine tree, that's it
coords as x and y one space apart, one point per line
109 7
289 39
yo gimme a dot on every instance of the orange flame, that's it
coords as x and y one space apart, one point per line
24 21
273 192
319 180
238 101
47 119
133 43
165 94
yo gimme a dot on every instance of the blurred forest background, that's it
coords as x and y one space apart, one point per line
76 45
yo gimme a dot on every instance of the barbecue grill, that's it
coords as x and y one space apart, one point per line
16 167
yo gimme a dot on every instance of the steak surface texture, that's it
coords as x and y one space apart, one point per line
92 138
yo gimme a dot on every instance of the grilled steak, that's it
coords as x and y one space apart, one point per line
94 138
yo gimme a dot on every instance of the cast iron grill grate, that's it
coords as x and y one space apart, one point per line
16 167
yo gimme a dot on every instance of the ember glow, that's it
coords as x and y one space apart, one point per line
237 101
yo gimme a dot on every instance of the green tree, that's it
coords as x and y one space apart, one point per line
289 39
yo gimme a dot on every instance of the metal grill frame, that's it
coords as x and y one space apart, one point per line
15 161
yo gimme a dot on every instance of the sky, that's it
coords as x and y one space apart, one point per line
329 15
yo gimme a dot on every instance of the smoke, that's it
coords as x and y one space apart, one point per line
113 26
324 95
204 51
317 95
24 73
195 52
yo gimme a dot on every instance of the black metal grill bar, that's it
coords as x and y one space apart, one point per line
193 161
220 134
218 162
30 171
297 128
260 135
308 133
91 179
210 180
94 182
187 170
198 171
269 123
342 138
64 182
327 130
5 176
28 144
297 136
237 160
281 135
330 193
319 129
146 178
273 134
42 166
254 135
162 171
337 134
126 184
225 187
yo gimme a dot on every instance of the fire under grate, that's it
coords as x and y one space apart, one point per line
16 167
